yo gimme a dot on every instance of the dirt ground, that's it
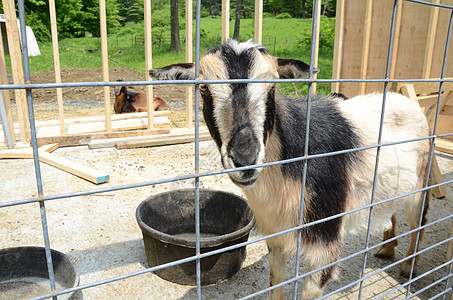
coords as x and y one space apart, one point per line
101 236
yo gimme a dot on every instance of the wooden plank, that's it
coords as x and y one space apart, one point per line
435 177
56 62
316 49
189 59
105 65
81 120
443 145
431 113
85 139
338 45
163 142
120 125
429 49
12 33
26 152
394 54
366 44
6 95
106 143
74 168
225 20
148 63
258 21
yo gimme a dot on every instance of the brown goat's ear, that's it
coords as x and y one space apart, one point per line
174 72
292 68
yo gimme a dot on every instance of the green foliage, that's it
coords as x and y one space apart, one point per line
326 36
283 16
130 11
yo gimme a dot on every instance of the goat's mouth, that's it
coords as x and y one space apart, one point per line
244 178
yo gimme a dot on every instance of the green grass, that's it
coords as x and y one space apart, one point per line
286 38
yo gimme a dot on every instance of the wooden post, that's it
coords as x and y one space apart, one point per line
225 20
258 21
149 63
396 39
315 55
4 80
430 38
189 59
338 49
56 62
105 65
17 69
366 45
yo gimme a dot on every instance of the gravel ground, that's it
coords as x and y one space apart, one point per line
100 234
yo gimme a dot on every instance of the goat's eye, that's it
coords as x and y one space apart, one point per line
203 88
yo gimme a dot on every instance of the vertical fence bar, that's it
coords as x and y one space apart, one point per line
5 123
378 150
189 59
307 136
431 153
4 80
35 146
197 145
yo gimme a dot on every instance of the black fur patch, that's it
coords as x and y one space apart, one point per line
327 177
208 114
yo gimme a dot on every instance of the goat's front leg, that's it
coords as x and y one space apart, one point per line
277 264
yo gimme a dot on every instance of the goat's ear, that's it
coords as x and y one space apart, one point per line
174 72
292 68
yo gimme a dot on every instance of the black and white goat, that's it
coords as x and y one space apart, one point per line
252 123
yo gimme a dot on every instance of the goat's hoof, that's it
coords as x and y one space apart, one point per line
385 252
405 268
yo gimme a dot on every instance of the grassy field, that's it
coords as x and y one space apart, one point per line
286 38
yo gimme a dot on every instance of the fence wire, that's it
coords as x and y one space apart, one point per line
197 175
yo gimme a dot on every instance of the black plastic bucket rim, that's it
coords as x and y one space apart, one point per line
205 242
56 255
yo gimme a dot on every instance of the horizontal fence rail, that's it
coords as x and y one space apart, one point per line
196 175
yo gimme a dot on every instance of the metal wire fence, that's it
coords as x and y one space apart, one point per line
196 175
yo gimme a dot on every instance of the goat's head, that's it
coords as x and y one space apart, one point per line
239 116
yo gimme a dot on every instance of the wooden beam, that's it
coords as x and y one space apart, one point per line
148 63
338 48
258 21
26 152
396 39
163 142
12 33
366 44
6 96
430 38
316 50
74 168
435 177
189 59
107 143
105 65
443 145
56 62
225 20
85 139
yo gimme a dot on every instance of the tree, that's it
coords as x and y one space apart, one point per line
175 42
237 21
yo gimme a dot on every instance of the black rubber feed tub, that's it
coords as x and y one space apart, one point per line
167 222
23 273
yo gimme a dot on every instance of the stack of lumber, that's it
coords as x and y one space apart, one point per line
177 136
83 125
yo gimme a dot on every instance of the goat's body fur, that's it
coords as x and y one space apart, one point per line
253 123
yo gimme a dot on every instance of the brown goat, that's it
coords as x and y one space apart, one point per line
128 102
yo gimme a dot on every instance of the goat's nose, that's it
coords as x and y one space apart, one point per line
243 148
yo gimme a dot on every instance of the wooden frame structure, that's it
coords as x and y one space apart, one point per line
362 39
17 70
